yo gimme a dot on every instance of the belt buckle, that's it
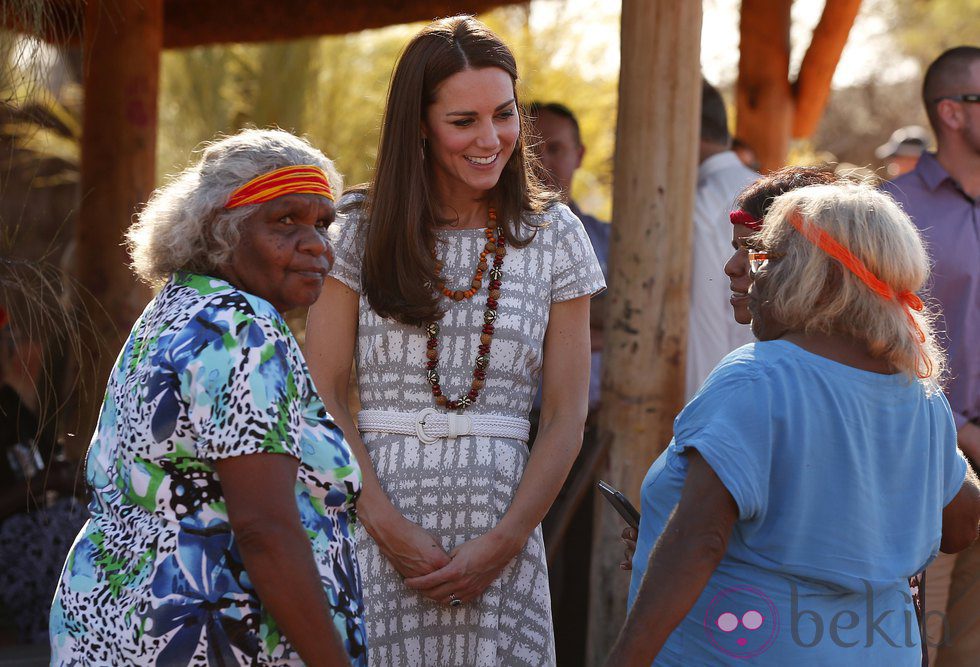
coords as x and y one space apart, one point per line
456 425
420 418
459 424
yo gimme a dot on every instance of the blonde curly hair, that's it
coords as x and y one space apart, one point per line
808 290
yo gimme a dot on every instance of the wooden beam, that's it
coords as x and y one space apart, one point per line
764 98
653 199
121 70
812 87
198 22
192 22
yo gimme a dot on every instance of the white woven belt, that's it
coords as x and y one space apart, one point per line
429 425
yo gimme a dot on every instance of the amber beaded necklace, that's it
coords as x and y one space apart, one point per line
497 246
481 265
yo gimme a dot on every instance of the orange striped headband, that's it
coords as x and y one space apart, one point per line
299 179
908 300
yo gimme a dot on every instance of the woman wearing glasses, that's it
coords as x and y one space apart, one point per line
779 525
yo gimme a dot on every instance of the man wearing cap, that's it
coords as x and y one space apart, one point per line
712 333
902 150
942 196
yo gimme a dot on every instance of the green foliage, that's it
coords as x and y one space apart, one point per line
925 28
333 91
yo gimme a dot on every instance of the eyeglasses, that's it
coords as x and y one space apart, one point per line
759 259
969 98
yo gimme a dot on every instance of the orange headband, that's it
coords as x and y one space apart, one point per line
908 300
300 179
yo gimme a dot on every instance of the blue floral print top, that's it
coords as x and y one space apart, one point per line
155 577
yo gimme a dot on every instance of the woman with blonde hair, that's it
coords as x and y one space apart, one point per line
817 469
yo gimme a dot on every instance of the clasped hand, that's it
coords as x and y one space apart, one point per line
410 549
472 568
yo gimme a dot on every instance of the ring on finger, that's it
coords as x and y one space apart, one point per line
454 601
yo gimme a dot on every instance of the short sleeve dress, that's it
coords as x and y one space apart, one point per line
459 489
155 577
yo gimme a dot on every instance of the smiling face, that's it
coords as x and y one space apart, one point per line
737 270
282 255
471 128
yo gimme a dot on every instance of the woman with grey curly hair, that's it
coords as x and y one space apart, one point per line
223 492
816 470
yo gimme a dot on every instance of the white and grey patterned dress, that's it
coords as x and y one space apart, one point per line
459 489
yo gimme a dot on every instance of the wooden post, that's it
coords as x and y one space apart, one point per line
646 332
122 44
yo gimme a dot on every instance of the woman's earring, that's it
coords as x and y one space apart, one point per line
423 147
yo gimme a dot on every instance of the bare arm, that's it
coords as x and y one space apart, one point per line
968 439
961 516
564 407
682 562
278 557
330 342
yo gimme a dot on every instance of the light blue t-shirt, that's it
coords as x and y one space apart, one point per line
840 477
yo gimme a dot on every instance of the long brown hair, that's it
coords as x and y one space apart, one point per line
398 272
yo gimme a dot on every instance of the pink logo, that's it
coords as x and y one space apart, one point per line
741 622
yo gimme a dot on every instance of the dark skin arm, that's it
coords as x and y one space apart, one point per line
961 516
681 563
258 490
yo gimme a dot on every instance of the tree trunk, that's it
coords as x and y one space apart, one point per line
817 69
770 110
764 99
655 174
122 64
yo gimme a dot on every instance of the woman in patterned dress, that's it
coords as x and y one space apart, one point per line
459 285
223 491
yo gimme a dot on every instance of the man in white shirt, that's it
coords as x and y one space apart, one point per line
712 332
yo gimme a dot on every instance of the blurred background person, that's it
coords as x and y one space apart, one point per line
557 143
942 196
721 177
223 492
746 154
39 514
901 152
801 459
